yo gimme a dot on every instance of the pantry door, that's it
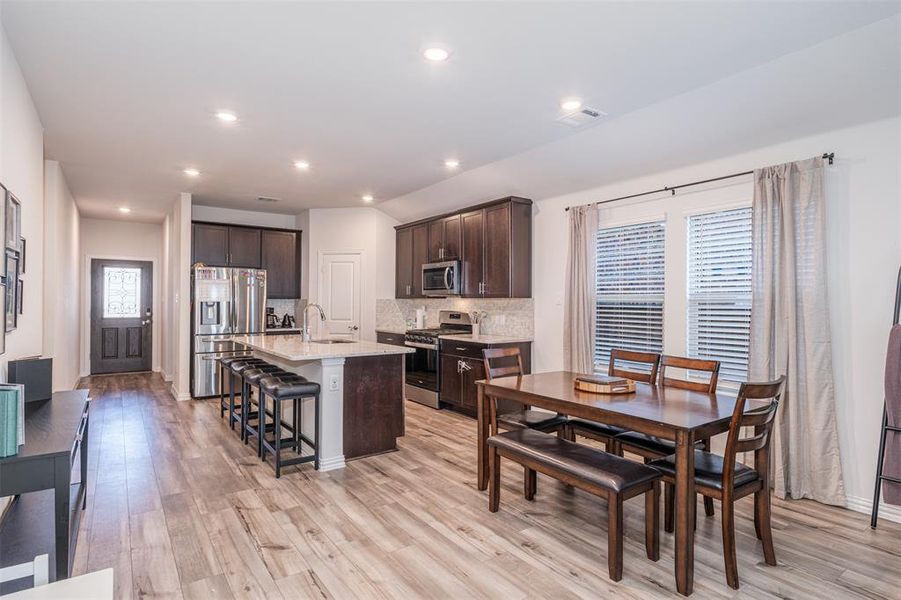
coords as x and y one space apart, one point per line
339 293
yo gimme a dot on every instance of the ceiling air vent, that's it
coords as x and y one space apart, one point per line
583 116
266 199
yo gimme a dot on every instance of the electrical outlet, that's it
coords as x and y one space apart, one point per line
333 383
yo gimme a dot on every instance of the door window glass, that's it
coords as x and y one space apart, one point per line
121 293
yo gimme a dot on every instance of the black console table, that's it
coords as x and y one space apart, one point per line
56 432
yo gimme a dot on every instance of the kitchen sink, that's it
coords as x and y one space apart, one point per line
333 341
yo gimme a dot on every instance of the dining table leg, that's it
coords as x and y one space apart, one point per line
685 513
482 408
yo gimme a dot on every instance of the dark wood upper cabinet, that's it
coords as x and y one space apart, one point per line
496 278
403 277
492 241
420 256
276 250
244 247
436 240
453 237
280 256
444 239
210 244
472 253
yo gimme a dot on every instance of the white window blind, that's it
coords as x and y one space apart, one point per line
719 289
630 271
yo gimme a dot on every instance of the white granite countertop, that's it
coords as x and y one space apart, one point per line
485 338
293 348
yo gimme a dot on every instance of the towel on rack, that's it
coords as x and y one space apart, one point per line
891 492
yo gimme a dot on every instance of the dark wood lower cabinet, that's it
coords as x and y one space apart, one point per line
461 366
373 420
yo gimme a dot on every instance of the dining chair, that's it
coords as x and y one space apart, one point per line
507 362
650 447
725 479
615 368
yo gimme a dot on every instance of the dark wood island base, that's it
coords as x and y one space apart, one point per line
373 404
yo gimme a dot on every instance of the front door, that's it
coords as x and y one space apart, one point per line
121 317
339 295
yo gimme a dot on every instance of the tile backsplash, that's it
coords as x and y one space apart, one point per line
506 316
291 306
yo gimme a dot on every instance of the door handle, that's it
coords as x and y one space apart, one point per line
353 327
147 322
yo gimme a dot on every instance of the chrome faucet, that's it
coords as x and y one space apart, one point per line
305 331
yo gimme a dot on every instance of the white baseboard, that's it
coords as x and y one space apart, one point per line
888 512
166 377
181 397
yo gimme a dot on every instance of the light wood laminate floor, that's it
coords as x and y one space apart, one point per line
181 509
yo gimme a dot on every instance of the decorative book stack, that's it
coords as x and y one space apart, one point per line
11 416
604 384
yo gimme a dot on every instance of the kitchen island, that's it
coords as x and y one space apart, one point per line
362 396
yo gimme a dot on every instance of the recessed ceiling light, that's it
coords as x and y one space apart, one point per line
124 209
452 163
436 53
302 165
226 116
571 104
367 198
191 172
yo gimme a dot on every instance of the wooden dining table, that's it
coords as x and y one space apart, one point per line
683 416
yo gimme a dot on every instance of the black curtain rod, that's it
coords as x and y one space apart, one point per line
830 156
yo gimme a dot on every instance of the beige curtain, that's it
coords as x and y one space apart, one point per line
578 307
790 328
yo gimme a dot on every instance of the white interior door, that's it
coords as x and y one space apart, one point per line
339 284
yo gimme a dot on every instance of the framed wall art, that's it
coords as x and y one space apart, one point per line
22 254
12 289
13 221
20 292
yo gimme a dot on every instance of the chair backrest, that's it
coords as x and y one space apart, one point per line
761 419
500 362
651 359
692 364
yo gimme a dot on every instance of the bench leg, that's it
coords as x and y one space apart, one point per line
652 522
669 497
494 479
615 536
530 483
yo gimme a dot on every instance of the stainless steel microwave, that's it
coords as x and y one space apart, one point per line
441 278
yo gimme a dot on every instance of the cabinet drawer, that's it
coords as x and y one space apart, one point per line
464 349
395 339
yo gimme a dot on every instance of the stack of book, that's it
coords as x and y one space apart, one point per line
12 420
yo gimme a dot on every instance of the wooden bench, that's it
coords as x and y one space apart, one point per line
595 471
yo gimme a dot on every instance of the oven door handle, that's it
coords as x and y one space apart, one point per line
418 345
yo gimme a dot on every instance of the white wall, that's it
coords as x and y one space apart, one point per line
61 280
22 171
124 240
864 253
176 306
242 217
366 229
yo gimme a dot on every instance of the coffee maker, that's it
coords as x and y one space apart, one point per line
272 320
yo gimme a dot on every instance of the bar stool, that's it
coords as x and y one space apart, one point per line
294 389
222 365
251 378
235 369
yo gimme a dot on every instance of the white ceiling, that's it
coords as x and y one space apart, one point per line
126 90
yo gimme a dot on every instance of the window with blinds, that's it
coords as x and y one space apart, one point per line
719 289
630 273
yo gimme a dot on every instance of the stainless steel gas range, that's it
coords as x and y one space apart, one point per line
423 377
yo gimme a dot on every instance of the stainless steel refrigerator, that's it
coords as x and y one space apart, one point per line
224 302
